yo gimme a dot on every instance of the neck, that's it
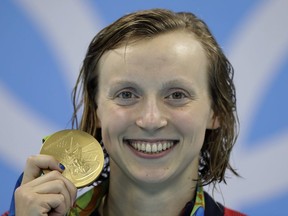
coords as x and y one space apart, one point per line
127 197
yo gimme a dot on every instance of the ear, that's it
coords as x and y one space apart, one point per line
213 121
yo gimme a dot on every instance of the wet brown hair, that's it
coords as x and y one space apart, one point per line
218 143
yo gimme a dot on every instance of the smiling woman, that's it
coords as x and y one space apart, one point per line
158 92
150 113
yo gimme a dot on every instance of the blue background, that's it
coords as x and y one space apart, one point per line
33 75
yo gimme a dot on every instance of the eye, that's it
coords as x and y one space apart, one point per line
126 95
177 95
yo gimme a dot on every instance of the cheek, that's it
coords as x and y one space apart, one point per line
192 125
190 121
114 121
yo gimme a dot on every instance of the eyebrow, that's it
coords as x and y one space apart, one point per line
122 83
177 83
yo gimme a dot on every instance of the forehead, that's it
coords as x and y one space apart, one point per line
170 53
172 47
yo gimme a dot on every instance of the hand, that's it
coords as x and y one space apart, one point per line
49 194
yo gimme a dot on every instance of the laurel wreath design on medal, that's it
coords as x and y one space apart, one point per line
79 152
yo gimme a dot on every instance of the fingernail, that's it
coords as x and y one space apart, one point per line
62 167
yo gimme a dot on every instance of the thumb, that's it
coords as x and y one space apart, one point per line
37 163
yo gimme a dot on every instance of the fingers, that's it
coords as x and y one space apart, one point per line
51 192
44 204
59 182
54 187
55 203
35 165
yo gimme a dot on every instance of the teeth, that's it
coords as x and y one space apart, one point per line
159 148
151 148
154 148
164 146
143 148
148 148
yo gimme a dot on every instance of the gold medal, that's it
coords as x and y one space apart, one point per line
79 152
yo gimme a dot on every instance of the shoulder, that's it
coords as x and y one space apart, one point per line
213 208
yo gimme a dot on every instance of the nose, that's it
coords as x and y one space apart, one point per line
151 117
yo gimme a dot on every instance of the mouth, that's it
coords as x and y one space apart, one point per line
151 147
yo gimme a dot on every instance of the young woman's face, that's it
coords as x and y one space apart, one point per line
154 107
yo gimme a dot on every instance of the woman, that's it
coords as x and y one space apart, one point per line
157 90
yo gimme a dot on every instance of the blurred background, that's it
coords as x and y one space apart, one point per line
42 45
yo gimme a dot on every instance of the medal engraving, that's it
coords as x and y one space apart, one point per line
79 152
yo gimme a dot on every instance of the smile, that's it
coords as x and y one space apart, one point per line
151 147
